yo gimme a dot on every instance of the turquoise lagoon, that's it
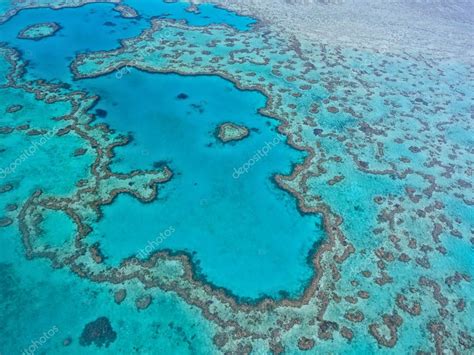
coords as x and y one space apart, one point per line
249 224
246 233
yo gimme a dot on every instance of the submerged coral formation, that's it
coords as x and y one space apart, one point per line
388 161
98 332
229 132
39 31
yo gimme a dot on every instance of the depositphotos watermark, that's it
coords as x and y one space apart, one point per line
148 249
27 154
140 54
127 68
155 243
261 153
38 343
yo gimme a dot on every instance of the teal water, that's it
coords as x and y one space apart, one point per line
244 232
34 298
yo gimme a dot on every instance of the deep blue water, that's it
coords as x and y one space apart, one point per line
50 57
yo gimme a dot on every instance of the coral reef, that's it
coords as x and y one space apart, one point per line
39 31
230 132
388 142
98 332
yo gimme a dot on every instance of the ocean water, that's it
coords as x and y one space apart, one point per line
244 234
36 298
392 171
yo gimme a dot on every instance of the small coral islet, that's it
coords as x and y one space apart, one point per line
39 31
230 132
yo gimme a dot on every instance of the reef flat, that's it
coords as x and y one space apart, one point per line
229 132
375 172
39 31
